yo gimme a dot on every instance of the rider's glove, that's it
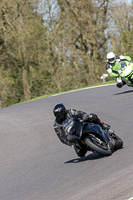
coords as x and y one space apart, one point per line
105 126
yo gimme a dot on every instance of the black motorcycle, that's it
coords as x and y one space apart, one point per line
91 136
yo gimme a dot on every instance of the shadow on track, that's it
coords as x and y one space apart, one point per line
129 91
93 156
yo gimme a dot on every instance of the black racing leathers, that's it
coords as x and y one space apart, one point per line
61 134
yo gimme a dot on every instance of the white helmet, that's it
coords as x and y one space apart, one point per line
111 57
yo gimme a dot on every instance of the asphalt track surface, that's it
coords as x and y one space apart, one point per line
35 165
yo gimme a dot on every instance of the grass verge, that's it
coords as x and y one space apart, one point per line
52 94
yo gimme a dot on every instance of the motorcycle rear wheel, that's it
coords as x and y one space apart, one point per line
106 151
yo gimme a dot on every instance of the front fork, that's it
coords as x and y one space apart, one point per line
110 135
93 137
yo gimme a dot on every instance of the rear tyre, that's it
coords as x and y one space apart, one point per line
106 151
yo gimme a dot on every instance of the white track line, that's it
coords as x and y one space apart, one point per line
83 89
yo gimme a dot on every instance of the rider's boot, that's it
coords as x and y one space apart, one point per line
79 150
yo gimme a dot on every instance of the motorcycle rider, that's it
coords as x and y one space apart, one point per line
61 113
112 67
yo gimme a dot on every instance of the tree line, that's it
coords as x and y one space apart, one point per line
49 46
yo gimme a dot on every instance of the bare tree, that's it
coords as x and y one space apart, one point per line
122 28
77 39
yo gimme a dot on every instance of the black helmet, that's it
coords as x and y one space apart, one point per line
59 111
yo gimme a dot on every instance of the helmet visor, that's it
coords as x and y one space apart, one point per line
111 59
61 114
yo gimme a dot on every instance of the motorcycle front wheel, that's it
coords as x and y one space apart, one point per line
97 147
118 142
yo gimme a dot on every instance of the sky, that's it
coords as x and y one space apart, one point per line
129 1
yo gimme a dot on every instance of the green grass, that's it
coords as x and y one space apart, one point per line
52 94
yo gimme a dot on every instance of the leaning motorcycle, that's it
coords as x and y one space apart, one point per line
125 70
91 136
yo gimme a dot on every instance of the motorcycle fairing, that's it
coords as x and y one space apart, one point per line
125 70
96 130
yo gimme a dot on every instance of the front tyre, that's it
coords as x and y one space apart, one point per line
106 151
118 142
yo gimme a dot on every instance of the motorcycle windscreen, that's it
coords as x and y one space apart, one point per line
125 69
